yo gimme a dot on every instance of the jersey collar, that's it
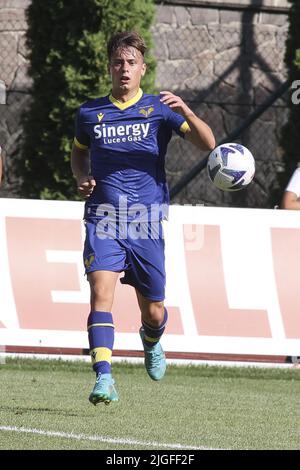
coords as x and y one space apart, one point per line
126 104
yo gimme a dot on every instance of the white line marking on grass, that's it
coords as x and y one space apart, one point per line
109 440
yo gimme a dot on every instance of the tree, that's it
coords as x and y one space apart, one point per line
68 65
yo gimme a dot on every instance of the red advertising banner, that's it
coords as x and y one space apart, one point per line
232 281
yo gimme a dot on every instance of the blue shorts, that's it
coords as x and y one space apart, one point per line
142 258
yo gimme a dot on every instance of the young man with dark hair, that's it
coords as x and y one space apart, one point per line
118 161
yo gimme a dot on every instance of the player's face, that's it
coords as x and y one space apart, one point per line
127 68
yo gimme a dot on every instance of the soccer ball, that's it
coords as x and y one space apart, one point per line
231 167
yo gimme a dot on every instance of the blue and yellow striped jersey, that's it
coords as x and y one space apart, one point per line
128 143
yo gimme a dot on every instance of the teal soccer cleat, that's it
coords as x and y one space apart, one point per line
155 360
104 390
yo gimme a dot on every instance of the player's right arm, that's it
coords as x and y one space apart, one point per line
80 164
197 132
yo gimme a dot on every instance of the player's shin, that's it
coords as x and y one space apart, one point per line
101 340
152 335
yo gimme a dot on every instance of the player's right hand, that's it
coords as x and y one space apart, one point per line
86 186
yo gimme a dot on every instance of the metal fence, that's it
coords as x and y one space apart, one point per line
15 85
223 69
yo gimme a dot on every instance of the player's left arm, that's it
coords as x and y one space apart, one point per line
199 133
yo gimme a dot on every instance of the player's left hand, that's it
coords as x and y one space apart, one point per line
175 103
86 185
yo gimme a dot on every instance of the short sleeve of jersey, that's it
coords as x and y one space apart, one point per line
294 183
175 120
82 140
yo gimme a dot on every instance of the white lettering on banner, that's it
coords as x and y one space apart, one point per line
33 278
8 314
72 297
253 287
177 287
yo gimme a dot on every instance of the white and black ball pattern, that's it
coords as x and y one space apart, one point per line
231 167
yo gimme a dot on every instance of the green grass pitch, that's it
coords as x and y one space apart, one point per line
44 405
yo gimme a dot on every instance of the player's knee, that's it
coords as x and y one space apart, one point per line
101 294
154 314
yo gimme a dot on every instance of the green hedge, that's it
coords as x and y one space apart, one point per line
68 64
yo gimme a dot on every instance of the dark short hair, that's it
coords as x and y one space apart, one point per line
125 39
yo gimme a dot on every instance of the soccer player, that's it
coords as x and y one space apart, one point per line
118 161
291 195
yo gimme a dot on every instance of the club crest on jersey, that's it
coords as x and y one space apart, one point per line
88 260
146 112
100 116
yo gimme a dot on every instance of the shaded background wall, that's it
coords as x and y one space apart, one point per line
223 57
